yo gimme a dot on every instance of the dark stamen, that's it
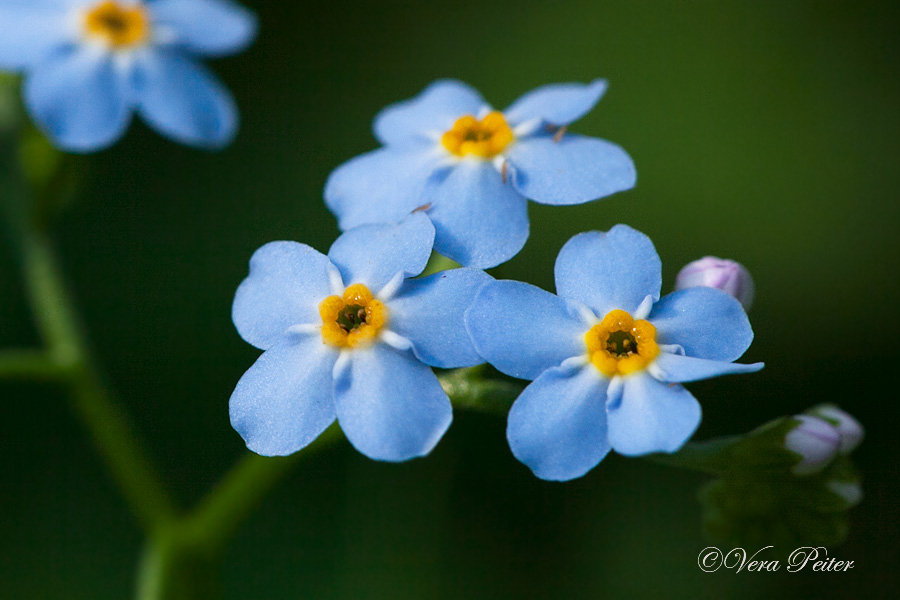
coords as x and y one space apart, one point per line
114 23
351 317
477 135
621 344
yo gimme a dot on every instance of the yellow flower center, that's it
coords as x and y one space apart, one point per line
121 26
619 345
485 138
352 320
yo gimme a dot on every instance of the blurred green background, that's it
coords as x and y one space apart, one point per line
762 131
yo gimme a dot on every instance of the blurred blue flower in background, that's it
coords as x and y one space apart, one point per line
348 336
89 64
606 355
471 168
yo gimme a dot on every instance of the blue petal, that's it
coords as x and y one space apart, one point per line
674 368
57 5
374 254
558 425
429 114
29 33
284 401
390 405
184 101
209 27
429 312
706 322
383 186
556 104
287 282
523 330
651 416
78 98
480 221
606 271
574 170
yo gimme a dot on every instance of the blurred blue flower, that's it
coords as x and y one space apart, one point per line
350 336
89 64
447 153
607 355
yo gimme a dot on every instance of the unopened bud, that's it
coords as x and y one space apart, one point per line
850 430
727 275
816 440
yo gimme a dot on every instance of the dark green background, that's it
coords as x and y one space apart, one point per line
762 131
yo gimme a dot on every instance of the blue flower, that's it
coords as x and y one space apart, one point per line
447 153
350 336
607 355
89 64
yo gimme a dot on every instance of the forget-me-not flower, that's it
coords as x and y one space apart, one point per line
90 64
471 168
607 355
350 336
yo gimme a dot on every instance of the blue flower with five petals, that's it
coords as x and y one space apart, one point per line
350 336
89 64
607 356
447 153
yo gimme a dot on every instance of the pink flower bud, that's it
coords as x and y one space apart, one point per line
816 440
850 430
726 275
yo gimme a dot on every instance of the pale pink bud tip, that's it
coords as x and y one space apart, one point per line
816 440
850 430
727 275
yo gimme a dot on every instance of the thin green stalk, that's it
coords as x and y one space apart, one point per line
170 569
219 514
28 365
66 346
154 570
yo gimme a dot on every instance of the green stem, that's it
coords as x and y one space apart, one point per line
67 348
171 569
219 514
154 570
28 365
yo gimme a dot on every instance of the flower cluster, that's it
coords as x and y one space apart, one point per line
352 336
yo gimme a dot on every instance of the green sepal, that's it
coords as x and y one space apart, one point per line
762 450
